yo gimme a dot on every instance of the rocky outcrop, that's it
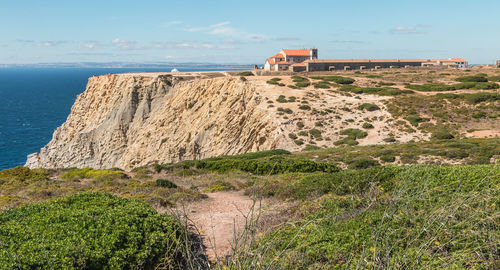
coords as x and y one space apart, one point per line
130 120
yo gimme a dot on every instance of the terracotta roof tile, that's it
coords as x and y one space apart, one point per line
303 52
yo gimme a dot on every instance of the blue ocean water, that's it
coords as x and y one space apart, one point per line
34 101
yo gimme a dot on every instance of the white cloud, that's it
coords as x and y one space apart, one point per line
224 29
125 44
415 30
49 43
174 23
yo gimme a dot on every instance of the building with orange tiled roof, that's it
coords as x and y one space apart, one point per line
286 58
307 60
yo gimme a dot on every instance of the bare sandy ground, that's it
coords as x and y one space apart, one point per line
219 218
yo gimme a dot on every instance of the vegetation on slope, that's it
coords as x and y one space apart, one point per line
89 231
386 217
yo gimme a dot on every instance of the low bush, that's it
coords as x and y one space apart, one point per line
389 139
369 107
437 87
272 165
292 136
315 133
354 133
304 107
442 135
281 99
472 79
89 173
302 84
414 120
218 186
165 183
381 91
347 141
299 79
245 73
23 174
89 231
362 163
336 79
367 126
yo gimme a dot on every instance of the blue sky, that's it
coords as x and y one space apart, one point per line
245 32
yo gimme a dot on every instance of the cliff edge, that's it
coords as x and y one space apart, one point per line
131 120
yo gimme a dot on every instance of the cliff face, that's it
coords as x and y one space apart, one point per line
130 120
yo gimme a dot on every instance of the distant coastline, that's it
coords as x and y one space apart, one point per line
150 65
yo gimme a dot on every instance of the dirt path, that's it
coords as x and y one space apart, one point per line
219 218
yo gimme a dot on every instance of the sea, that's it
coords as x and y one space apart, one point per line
35 101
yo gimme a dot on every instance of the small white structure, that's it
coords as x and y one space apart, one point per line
174 70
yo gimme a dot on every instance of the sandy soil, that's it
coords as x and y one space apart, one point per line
219 218
484 134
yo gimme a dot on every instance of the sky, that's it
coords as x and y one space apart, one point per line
245 32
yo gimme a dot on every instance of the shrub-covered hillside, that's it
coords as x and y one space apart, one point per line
413 217
89 231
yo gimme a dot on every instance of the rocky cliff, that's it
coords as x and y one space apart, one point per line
129 120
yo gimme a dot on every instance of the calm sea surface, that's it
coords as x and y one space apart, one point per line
34 101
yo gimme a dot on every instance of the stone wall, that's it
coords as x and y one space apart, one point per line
325 66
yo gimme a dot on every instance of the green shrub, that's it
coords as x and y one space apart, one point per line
89 231
165 183
218 186
304 107
414 120
292 136
381 91
299 142
388 158
281 99
299 79
354 133
362 163
303 133
300 125
389 139
272 165
478 114
433 87
369 107
336 79
322 85
311 147
274 81
316 133
367 126
442 135
347 141
23 173
302 84
245 73
471 79
89 173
